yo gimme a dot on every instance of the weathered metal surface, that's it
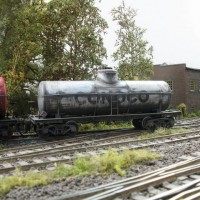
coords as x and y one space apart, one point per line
106 95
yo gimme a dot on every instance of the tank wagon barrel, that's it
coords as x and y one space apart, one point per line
106 95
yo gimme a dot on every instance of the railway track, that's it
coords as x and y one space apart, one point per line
101 136
31 138
174 182
41 157
190 123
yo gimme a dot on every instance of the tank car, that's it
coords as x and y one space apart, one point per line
64 104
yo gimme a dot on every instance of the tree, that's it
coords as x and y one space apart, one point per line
19 40
61 39
73 44
57 19
133 54
84 48
20 47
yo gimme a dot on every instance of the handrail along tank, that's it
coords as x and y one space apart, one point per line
106 95
3 98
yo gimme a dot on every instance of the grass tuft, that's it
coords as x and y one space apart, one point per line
161 132
2 146
29 180
104 126
110 162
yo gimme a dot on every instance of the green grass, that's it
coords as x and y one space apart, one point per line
110 162
161 132
105 126
2 146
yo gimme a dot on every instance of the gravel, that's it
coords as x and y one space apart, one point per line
171 154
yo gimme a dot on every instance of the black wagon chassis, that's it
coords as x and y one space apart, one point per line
69 125
10 125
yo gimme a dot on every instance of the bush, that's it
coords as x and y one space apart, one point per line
191 114
182 108
19 103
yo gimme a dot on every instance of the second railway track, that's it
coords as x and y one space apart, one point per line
45 157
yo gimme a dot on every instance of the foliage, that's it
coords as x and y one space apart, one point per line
182 108
192 114
104 126
19 43
104 164
161 132
73 48
29 180
19 49
133 54
19 104
110 162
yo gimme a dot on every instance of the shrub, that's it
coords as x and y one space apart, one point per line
182 108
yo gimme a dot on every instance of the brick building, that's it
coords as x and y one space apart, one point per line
184 83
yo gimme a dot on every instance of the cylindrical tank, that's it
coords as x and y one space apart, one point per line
3 98
104 96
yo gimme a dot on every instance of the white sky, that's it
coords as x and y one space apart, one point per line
172 28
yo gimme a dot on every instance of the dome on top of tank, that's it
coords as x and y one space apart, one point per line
107 75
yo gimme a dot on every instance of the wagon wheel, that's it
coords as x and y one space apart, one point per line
46 131
28 126
39 129
137 123
52 130
10 130
149 124
70 128
170 123
6 131
144 121
18 127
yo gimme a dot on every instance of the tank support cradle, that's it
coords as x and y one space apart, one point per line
70 128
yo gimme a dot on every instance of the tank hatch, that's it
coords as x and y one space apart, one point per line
108 76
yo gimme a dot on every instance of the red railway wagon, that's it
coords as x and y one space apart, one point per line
3 98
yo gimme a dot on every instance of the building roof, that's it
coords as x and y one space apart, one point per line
181 64
192 68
